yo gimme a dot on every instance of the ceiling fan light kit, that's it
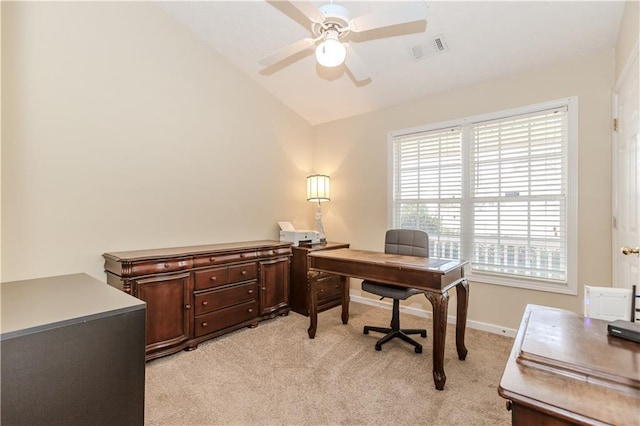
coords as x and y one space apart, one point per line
331 52
332 23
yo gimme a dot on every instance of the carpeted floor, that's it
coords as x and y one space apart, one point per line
275 375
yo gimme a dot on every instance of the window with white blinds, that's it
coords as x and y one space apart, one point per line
495 190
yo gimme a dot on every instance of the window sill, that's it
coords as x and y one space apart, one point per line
521 283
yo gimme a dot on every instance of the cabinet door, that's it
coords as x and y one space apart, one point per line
168 309
274 285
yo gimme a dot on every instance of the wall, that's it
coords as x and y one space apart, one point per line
122 131
628 35
354 152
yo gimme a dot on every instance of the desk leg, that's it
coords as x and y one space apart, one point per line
345 299
440 303
312 291
462 292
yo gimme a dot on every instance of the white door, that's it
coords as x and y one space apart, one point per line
626 180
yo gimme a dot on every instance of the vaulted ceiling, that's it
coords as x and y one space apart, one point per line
485 40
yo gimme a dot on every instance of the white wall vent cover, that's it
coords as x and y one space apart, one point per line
433 47
607 303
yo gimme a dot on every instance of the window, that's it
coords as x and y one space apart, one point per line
497 190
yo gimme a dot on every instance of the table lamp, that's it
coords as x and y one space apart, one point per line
318 190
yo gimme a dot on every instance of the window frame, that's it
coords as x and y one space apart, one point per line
571 104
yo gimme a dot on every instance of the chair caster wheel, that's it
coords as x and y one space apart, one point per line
378 348
418 349
423 334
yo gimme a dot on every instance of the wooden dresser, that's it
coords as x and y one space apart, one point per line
197 293
329 285
564 369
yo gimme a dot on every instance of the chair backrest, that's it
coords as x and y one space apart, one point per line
410 242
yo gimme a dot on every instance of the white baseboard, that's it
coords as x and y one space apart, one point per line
491 328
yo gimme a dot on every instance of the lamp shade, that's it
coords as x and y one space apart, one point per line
318 188
331 53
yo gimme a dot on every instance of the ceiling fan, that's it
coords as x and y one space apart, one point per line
331 24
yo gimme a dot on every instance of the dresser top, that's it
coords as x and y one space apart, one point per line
35 305
194 250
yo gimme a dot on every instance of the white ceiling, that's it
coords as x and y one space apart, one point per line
486 40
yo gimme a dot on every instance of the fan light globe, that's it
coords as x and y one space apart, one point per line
330 53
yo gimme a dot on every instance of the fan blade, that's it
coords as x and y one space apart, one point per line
355 65
287 51
309 10
408 12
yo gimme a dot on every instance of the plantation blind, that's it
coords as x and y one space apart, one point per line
519 195
427 187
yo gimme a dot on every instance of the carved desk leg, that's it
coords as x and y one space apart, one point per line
312 292
462 292
440 303
345 299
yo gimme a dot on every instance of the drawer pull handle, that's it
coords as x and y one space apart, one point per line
187 307
244 272
166 265
212 259
250 310
264 288
250 291
205 303
213 278
204 324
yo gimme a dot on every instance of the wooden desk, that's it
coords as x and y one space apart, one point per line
564 369
435 276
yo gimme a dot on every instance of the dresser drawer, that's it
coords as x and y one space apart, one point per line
211 278
329 288
225 297
150 267
280 251
244 272
218 259
226 317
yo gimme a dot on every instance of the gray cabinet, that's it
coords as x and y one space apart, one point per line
73 352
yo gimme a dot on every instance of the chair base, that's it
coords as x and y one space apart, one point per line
395 330
392 334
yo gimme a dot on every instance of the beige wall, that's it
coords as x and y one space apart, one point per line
122 131
628 36
354 152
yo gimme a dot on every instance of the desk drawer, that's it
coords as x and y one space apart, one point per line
329 288
223 298
227 317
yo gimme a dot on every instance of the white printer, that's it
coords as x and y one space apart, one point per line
297 236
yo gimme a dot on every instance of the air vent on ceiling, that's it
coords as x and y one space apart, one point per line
436 46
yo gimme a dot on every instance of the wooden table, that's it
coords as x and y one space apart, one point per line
564 369
435 276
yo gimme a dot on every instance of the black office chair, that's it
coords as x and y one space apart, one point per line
405 242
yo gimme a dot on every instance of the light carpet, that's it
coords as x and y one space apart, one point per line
275 375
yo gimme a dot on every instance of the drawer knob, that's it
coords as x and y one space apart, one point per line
212 259
213 278
204 324
250 310
205 303
244 272
242 255
250 291
166 265
264 289
187 307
